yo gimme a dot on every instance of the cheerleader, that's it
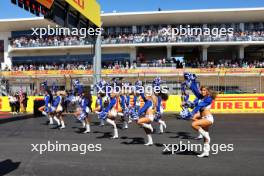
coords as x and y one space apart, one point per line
102 100
78 87
190 82
83 112
110 113
138 89
77 100
60 109
129 105
48 98
56 110
145 116
201 114
204 118
184 97
99 106
158 98
125 111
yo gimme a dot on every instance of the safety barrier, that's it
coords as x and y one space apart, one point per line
232 103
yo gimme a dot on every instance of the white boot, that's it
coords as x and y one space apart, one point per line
199 137
148 126
161 130
44 113
62 125
205 135
115 134
163 124
88 130
125 125
101 122
206 150
112 122
129 120
51 121
57 120
83 124
150 141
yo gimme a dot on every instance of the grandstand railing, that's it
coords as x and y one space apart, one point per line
176 41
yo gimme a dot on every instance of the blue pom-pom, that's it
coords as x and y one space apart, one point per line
103 115
185 114
134 115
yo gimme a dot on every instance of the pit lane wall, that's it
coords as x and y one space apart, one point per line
226 104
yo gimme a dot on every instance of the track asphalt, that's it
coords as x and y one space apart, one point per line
127 156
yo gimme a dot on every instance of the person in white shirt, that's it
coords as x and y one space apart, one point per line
12 103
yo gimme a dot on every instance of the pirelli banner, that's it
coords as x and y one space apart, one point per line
5 107
88 8
231 103
226 104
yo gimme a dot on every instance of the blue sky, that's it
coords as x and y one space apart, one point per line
8 10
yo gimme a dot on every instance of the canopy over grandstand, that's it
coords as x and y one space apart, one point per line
202 16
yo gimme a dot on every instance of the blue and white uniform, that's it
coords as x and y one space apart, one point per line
56 103
105 111
204 104
78 87
200 103
159 109
47 100
136 115
111 111
99 102
54 87
148 104
123 102
84 105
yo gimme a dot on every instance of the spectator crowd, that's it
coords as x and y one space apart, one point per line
127 65
62 66
149 36
70 66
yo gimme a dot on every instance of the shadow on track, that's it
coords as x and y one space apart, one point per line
182 135
134 141
187 152
8 166
105 135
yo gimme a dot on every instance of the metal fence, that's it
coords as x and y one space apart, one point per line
222 83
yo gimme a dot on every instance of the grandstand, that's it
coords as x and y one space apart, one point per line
133 46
